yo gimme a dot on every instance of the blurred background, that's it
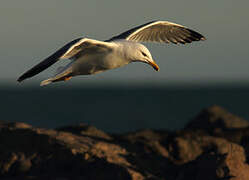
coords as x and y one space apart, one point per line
191 77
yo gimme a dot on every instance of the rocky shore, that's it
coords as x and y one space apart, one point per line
214 145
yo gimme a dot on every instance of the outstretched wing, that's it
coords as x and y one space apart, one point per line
160 31
70 51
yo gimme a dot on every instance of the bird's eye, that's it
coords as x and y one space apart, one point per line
144 54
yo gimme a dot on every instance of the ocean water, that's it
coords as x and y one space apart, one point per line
118 109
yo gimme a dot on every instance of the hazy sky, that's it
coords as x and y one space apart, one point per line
31 30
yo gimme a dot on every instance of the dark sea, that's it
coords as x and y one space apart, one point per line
118 109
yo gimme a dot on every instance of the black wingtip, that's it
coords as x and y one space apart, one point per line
197 36
26 75
20 79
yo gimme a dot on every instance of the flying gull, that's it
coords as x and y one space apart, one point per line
89 56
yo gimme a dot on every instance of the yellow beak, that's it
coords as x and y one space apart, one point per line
154 65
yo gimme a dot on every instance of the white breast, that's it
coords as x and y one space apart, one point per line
100 61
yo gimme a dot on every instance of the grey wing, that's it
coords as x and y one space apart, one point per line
160 31
71 50
48 61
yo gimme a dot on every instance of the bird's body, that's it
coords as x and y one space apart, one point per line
89 56
114 55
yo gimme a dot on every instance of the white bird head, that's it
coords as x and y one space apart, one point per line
142 54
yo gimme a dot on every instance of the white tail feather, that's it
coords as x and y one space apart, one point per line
46 82
61 73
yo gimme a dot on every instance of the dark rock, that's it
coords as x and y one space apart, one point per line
245 144
148 140
216 121
27 151
216 117
86 130
200 158
233 135
76 152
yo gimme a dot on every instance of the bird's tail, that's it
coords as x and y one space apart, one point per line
46 82
62 76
